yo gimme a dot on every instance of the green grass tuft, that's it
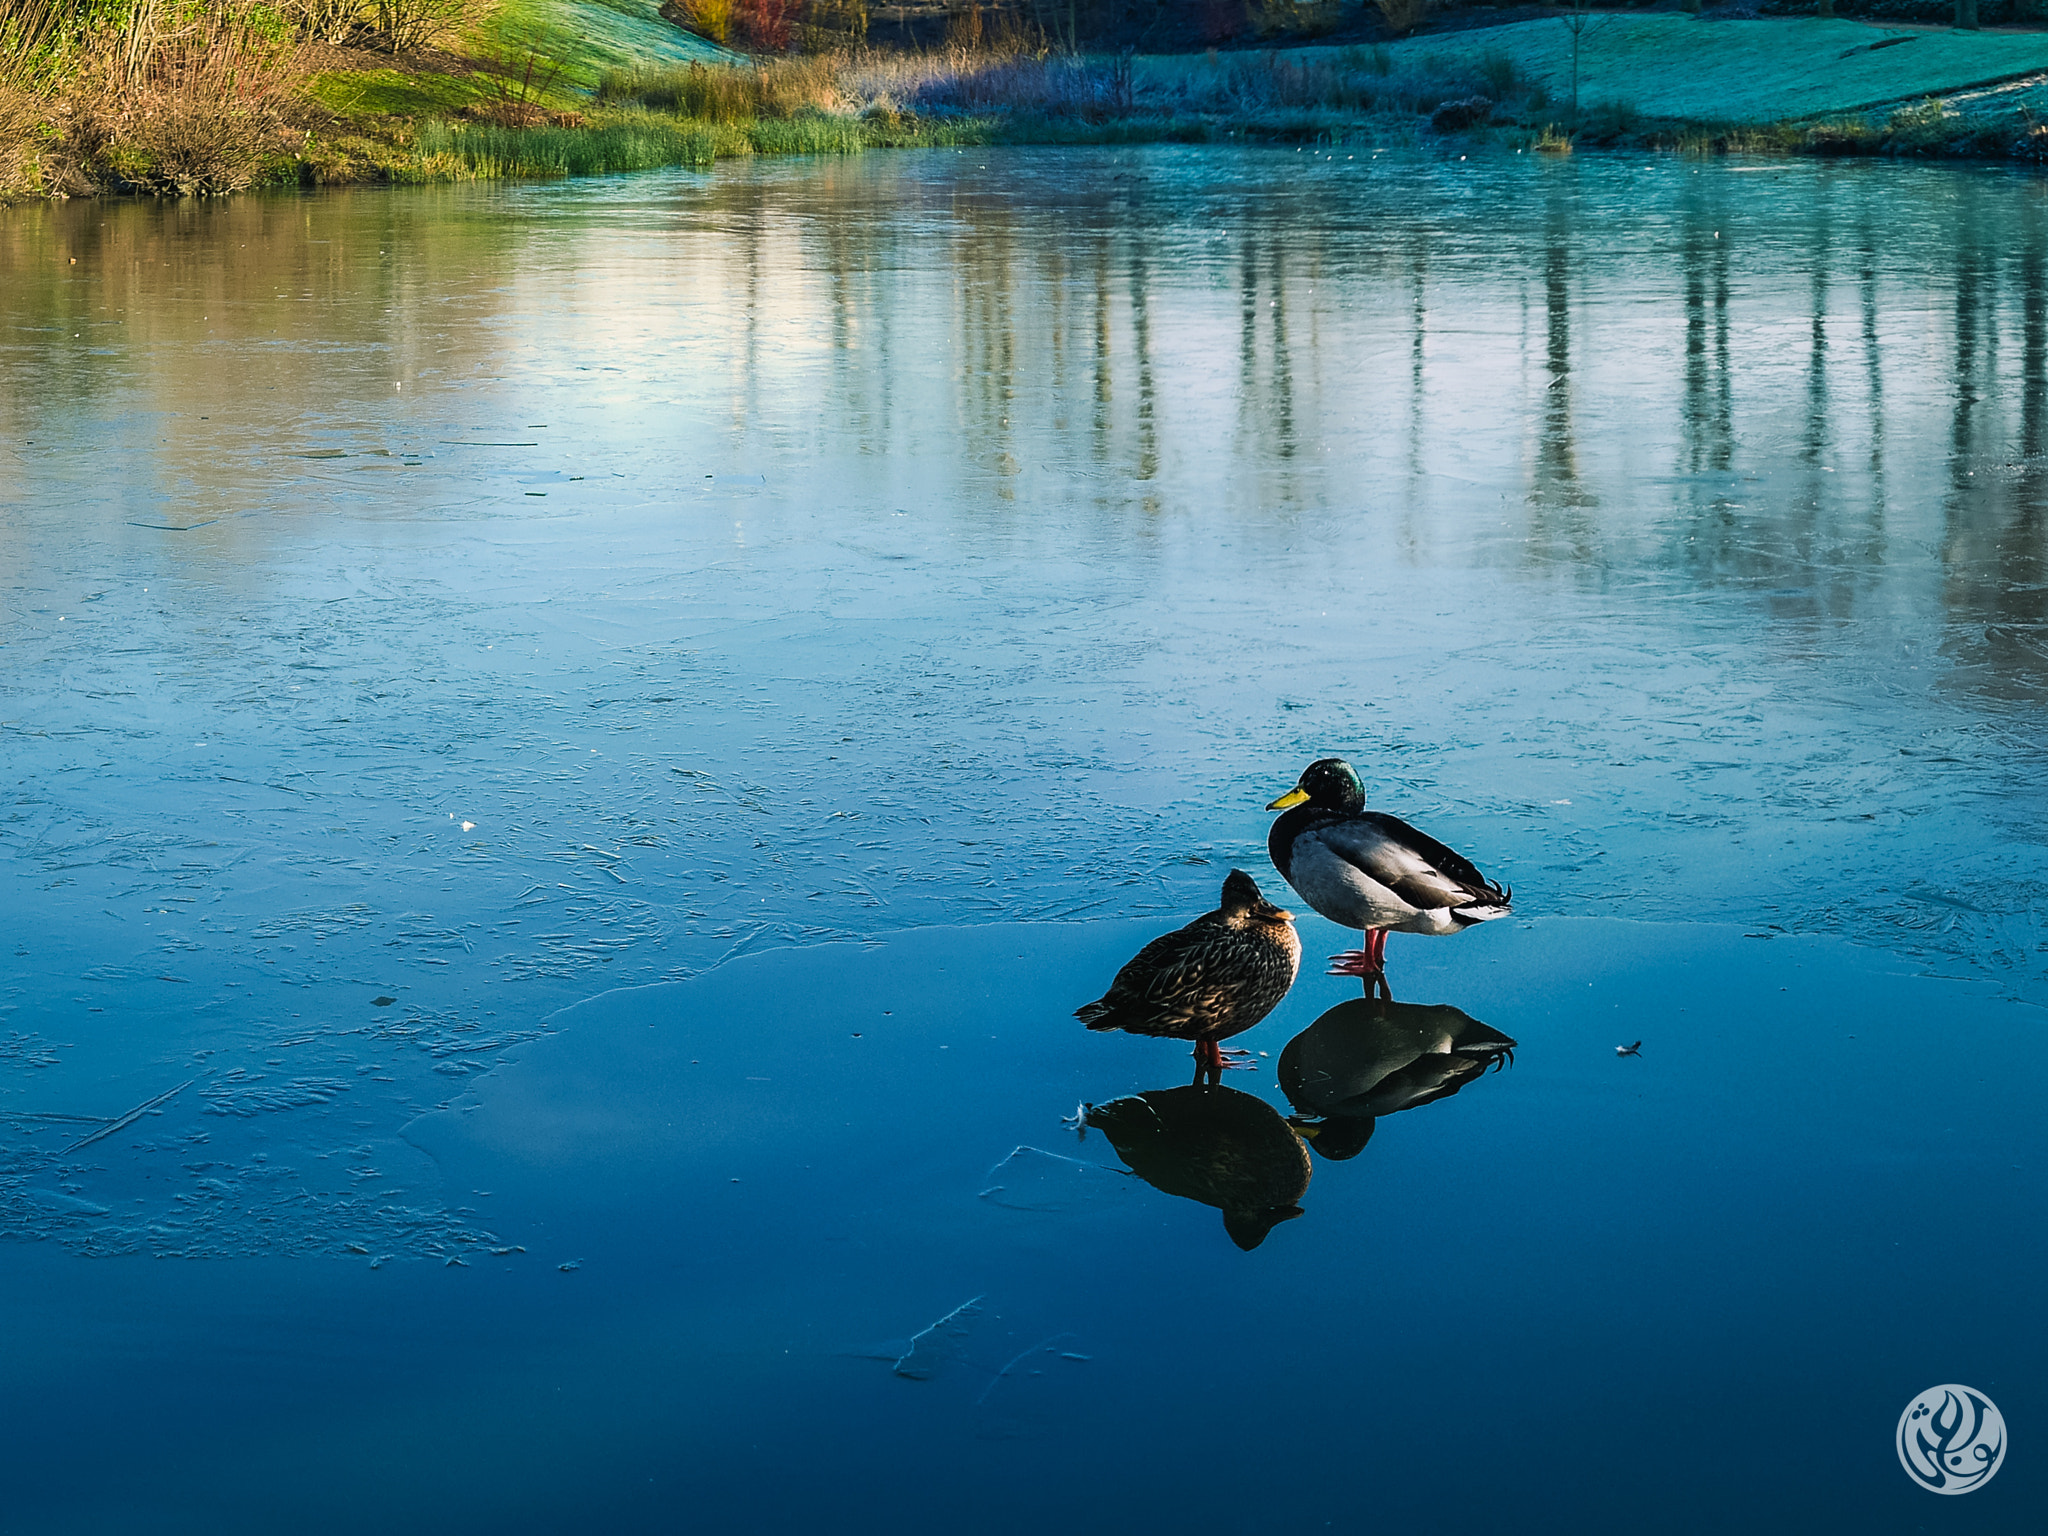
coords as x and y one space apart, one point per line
650 142
492 152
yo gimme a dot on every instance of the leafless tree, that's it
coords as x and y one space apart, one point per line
1581 20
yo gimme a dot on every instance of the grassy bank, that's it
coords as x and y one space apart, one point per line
632 142
213 96
1799 84
1682 68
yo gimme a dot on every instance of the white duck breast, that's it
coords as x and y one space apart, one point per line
1359 871
1345 893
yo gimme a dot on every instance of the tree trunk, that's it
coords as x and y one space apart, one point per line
1575 80
1966 15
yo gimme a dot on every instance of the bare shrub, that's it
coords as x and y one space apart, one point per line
1123 83
764 26
1462 113
772 26
1403 15
1301 18
192 146
518 92
1265 81
183 96
407 26
332 22
828 24
185 102
1501 74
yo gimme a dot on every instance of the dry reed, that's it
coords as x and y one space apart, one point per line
731 94
1253 89
167 98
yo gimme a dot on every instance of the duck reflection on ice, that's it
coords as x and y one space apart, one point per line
1364 1059
1214 1145
1233 1150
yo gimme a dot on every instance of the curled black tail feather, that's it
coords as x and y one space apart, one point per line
1494 904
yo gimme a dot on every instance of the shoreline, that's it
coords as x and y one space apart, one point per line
1628 81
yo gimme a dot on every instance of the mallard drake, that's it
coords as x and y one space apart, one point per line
1212 1144
1371 871
1215 978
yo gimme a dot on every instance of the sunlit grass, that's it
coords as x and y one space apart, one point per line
491 152
731 94
651 142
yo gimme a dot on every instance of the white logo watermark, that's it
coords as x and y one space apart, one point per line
1951 1439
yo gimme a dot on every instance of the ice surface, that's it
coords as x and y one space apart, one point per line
927 544
1031 1179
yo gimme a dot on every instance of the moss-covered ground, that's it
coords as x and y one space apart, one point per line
1678 67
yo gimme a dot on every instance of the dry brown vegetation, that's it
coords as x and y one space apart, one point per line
21 119
1295 18
721 95
1033 92
183 96
190 99
954 82
194 106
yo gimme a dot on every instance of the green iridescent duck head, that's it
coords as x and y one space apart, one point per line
1328 784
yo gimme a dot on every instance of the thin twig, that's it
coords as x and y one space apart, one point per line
130 1118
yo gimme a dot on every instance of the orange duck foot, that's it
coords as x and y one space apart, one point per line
1212 1061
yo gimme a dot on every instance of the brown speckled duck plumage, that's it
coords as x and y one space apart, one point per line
1215 978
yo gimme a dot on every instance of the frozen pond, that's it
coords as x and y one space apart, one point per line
573 748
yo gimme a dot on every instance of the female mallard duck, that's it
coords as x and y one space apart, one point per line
1371 871
1215 978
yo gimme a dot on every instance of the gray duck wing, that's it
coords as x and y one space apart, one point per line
1413 865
